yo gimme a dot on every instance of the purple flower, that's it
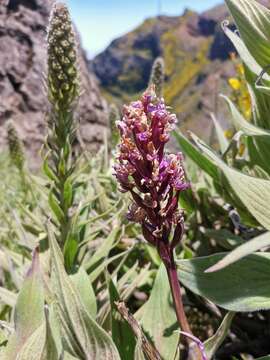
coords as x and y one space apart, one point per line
154 179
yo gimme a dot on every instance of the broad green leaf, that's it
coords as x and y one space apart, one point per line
67 356
264 358
253 22
85 289
211 345
53 344
121 332
34 346
241 124
224 238
223 141
243 52
29 309
253 192
243 250
259 101
85 338
243 286
159 318
194 154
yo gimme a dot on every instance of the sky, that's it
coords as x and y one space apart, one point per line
101 21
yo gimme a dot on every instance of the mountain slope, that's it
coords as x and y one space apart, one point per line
196 54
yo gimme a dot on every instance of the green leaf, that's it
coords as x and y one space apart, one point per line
253 192
259 101
47 170
53 345
121 332
94 274
224 238
200 159
243 52
260 137
29 309
67 356
70 250
84 337
241 124
253 22
85 289
264 358
34 345
223 142
103 251
243 286
159 318
68 193
211 345
58 212
243 250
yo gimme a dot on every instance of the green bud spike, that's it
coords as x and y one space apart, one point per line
63 83
63 92
157 76
15 146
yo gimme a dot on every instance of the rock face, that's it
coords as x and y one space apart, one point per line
22 66
196 54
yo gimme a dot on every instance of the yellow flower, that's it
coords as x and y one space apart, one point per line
228 133
235 84
240 69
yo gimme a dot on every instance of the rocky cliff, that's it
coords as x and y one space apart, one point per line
196 54
22 67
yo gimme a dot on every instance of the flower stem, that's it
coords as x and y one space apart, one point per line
177 296
179 306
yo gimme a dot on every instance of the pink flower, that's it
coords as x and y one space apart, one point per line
154 179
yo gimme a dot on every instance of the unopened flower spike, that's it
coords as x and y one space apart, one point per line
60 164
63 84
157 76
